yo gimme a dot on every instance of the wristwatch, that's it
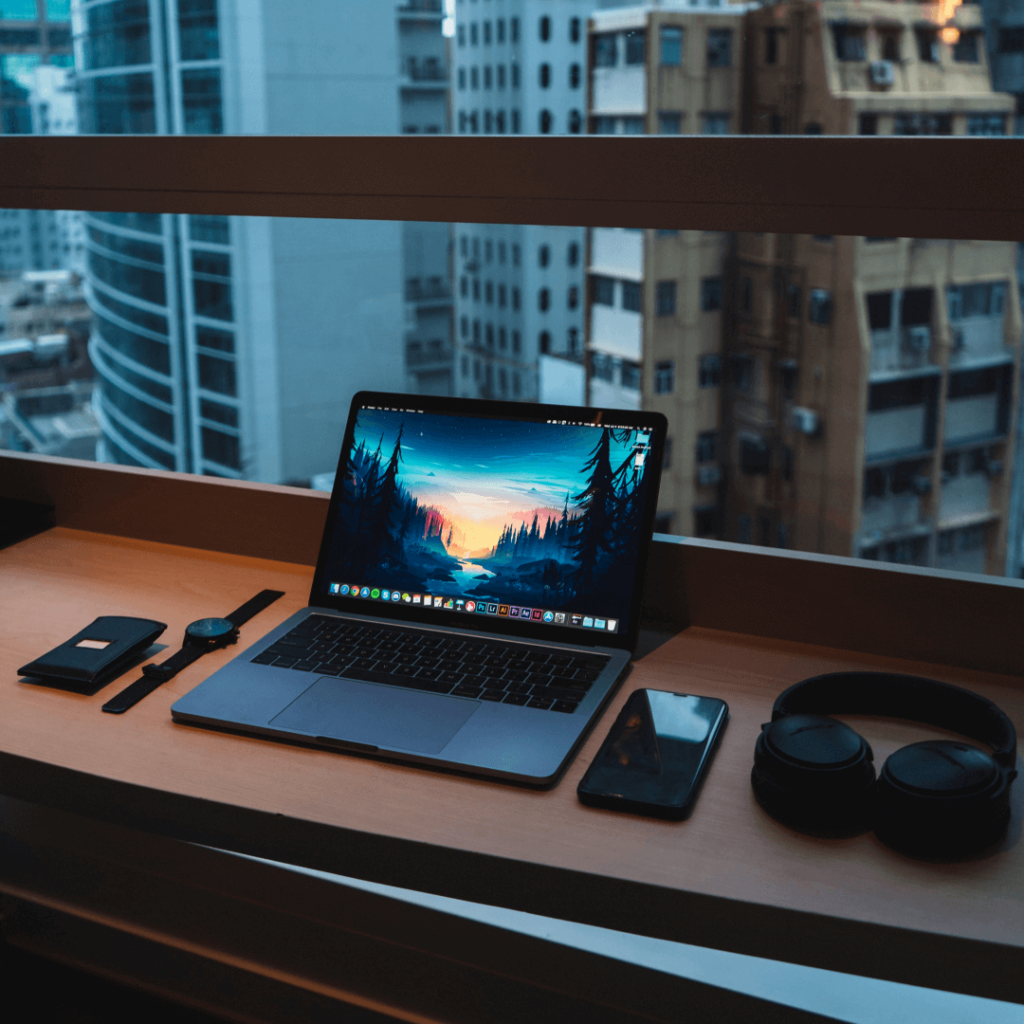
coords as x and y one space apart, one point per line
201 636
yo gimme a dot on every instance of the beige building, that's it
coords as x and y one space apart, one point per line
844 395
654 316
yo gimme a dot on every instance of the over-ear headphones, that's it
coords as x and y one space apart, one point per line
939 797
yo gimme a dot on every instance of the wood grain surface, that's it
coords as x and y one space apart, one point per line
729 877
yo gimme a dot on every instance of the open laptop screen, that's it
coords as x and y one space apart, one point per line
525 523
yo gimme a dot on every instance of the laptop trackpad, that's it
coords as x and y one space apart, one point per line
378 716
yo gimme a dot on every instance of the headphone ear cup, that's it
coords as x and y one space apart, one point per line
942 798
814 774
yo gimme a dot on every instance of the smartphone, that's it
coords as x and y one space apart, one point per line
655 755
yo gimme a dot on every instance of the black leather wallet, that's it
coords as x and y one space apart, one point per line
91 658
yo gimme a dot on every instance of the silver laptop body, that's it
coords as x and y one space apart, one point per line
423 554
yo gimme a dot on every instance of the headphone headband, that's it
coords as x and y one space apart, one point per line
901 696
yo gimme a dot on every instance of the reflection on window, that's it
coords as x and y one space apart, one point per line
670 39
197 29
719 50
117 35
200 100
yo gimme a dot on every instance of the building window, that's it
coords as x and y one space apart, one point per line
574 76
501 76
670 40
487 76
635 47
474 78
711 294
476 289
573 255
546 122
665 298
544 299
755 455
574 340
545 75
709 371
967 48
515 76
664 377
927 45
464 286
719 50
602 290
473 35
464 326
986 124
890 40
544 342
488 122
514 29
502 339
502 252
487 33
499 122
573 297
515 122
502 296
575 122
630 375
544 255
545 29
707 442
741 370
462 78
771 45
849 41
462 35
516 300
499 26
670 122
714 124
631 296
705 521
489 335
515 254
574 30
517 342
604 50
867 124
489 293
1011 40
922 124
819 306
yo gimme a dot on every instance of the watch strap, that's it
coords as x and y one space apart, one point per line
152 677
253 606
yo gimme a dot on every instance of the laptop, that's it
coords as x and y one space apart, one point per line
477 593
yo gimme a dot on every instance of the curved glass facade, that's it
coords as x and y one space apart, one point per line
160 286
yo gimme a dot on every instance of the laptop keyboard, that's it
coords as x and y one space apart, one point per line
492 670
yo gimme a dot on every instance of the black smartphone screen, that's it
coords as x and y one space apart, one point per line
655 754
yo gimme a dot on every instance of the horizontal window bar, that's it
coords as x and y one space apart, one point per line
911 187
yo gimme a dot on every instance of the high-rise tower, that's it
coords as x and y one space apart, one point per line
232 346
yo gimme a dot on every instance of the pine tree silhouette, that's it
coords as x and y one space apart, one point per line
594 525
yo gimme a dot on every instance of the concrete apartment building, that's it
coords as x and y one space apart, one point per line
655 298
232 346
520 68
35 48
860 398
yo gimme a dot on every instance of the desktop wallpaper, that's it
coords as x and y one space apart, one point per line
539 515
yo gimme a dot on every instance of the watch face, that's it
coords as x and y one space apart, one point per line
209 629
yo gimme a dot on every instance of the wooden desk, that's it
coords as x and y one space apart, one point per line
729 878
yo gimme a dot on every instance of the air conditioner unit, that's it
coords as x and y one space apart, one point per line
918 338
805 421
708 476
882 72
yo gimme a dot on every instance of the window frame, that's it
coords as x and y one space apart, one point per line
794 185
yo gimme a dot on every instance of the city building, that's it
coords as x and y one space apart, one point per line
1004 33
232 346
35 48
520 68
424 93
655 298
860 400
